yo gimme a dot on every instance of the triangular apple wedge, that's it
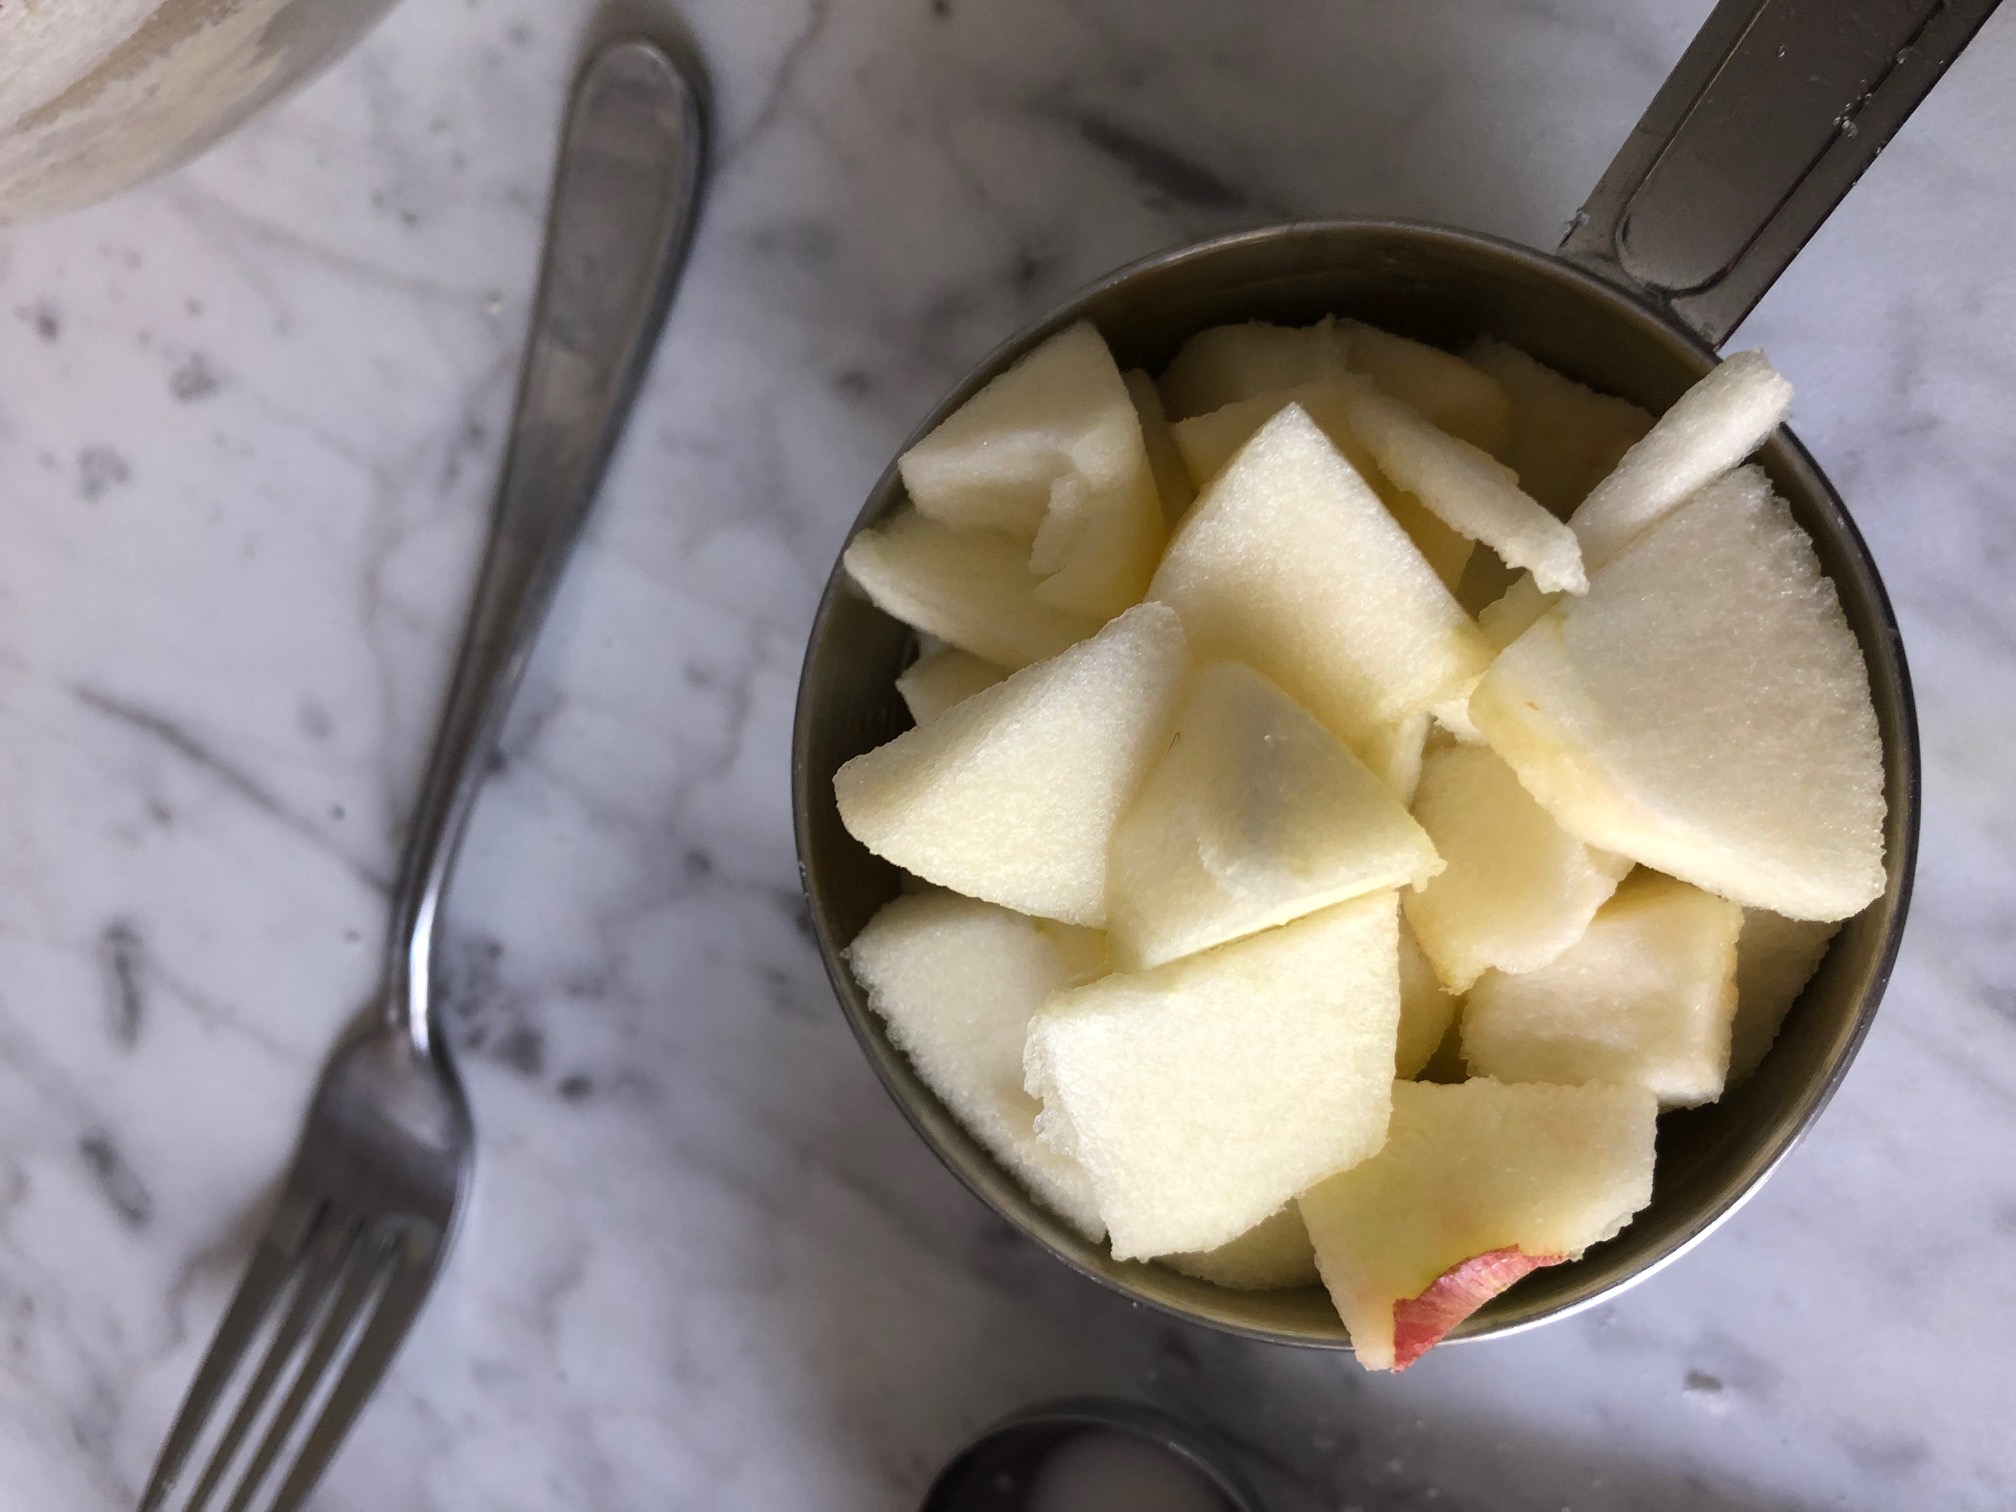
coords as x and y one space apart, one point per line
1289 562
1644 998
1012 795
971 588
1256 815
957 980
1516 889
1477 1185
1207 442
1202 1095
1704 710
1051 453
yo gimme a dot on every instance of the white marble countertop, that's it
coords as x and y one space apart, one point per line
248 426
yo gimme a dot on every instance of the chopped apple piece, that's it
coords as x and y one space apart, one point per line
1704 709
1289 562
1565 437
1202 1095
1476 1185
1224 364
1709 429
957 980
1454 395
1517 612
1471 492
1172 478
1274 1255
1427 1009
969 587
1255 816
1645 998
942 677
1051 453
1775 959
1012 795
1516 889
1394 756
1208 442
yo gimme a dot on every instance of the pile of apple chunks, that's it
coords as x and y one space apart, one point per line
1354 788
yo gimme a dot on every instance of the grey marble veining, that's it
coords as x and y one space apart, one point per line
249 419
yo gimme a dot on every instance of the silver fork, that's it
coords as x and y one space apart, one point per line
380 1176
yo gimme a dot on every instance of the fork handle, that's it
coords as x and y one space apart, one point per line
624 203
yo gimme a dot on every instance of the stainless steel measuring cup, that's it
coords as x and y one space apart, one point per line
1767 121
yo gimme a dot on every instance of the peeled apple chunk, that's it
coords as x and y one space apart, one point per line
1227 363
1274 1255
972 588
1709 429
1565 436
957 980
1704 710
1427 1009
1051 453
1452 394
1012 795
1208 442
1775 958
1290 563
1201 1095
1395 756
1645 998
1255 816
1516 889
1477 1184
1172 479
1466 488
941 678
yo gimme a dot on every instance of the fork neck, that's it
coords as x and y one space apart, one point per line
624 198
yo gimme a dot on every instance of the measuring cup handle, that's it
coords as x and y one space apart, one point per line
1765 123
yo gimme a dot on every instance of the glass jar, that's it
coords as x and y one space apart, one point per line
96 95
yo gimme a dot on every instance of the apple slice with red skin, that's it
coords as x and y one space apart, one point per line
1420 1323
1477 1185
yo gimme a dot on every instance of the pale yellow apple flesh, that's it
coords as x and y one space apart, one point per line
1704 710
1709 429
1051 453
1775 958
1565 437
1202 1095
1469 1172
1273 1255
1255 816
956 981
942 677
971 588
1172 477
1644 998
1516 889
1012 795
1290 563
1207 442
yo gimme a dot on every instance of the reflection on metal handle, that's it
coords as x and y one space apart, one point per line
1766 122
622 216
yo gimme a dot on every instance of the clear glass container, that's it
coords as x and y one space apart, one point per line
96 95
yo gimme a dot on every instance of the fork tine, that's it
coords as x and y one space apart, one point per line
325 1247
363 1266
264 1278
404 1291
